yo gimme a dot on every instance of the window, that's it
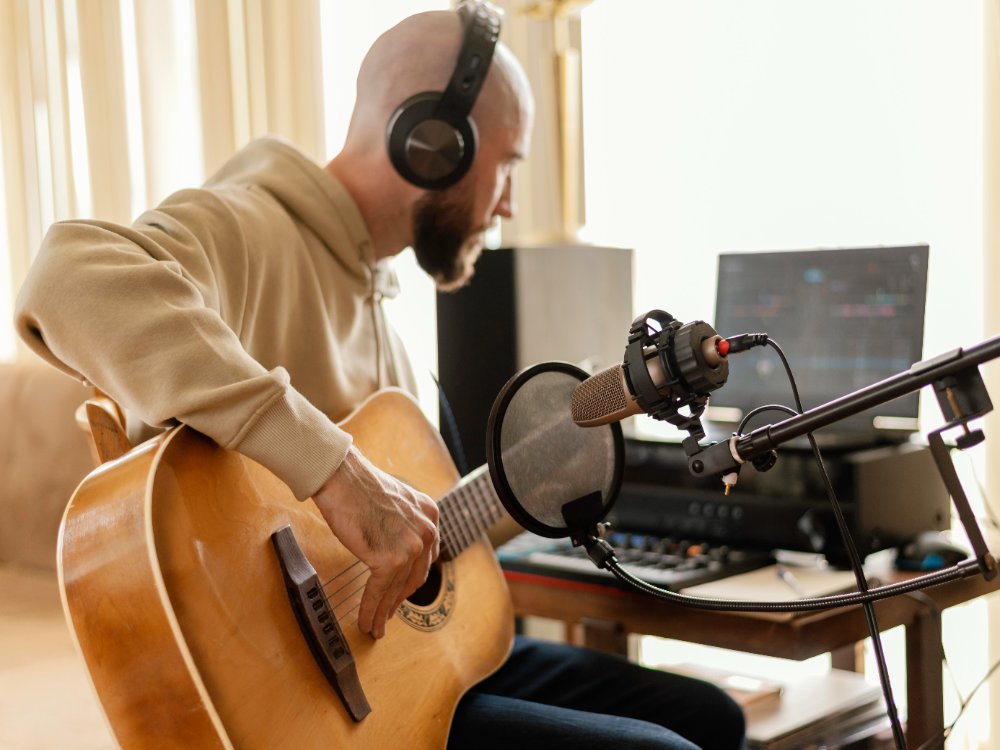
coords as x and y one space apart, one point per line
733 126
729 126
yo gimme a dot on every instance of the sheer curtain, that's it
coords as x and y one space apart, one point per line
728 126
107 106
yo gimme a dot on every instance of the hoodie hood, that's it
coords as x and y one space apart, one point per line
316 198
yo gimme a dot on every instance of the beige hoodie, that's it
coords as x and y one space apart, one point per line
248 309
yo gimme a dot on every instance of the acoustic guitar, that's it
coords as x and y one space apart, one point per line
213 609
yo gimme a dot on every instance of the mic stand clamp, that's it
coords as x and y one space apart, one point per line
599 551
582 519
962 397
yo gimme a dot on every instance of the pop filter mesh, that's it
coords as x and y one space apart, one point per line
545 459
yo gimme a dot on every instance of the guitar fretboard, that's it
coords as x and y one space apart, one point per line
467 512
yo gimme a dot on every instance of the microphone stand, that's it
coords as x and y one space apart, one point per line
961 394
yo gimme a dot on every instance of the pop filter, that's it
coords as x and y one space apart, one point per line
554 477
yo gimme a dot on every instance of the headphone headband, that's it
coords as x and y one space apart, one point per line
482 30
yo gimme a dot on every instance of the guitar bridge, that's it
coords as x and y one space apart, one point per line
318 623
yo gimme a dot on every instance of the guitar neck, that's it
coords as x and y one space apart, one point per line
467 512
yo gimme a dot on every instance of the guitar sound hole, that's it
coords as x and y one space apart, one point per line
428 593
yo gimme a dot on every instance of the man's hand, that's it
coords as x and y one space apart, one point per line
390 527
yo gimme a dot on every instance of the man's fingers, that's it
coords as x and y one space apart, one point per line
411 566
422 564
388 604
389 526
389 584
408 582
431 536
375 591
429 508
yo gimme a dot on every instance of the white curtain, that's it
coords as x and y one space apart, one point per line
106 106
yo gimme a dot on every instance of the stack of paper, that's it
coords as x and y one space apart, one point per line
819 711
830 710
777 583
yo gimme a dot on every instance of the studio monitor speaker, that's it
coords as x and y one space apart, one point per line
522 307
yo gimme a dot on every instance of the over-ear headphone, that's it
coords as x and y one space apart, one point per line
430 136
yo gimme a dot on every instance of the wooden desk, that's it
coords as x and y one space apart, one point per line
607 614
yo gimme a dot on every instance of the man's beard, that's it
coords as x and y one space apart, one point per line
442 228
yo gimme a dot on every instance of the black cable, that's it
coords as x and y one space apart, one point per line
991 516
968 698
449 430
856 565
760 409
964 569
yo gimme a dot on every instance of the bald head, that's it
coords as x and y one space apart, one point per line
418 55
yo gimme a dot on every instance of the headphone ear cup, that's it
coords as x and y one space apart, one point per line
428 148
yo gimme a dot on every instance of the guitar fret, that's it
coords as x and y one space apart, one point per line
449 532
455 523
444 529
483 490
492 501
467 512
487 507
443 538
481 508
471 521
457 520
468 535
488 504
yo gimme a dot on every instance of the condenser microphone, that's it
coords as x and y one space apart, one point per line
603 398
668 365
608 396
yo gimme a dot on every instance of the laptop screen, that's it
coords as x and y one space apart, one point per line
845 318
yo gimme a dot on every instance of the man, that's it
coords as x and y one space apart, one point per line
250 310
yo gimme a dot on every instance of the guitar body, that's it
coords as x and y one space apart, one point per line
176 599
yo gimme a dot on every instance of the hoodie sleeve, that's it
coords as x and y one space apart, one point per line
149 314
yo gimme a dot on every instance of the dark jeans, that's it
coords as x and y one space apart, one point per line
552 696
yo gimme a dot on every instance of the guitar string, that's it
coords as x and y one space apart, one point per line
454 527
340 616
346 570
448 532
482 507
455 522
348 582
364 569
447 524
345 622
468 534
461 518
347 600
